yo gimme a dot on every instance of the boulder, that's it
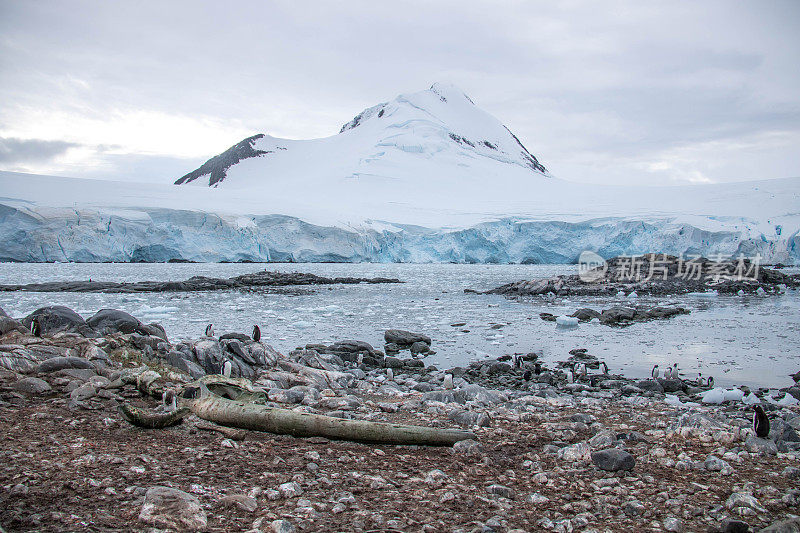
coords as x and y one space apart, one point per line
56 318
32 386
585 314
420 347
469 418
107 321
404 338
617 314
8 324
169 508
650 385
792 525
613 460
55 364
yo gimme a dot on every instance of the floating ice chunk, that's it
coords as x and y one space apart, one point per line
567 321
760 291
303 324
751 399
595 320
740 292
714 396
633 295
734 395
707 294
620 294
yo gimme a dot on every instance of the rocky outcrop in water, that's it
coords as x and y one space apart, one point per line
258 281
657 275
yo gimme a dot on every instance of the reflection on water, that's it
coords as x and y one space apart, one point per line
748 340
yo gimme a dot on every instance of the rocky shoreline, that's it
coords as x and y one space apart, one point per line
258 281
656 275
568 448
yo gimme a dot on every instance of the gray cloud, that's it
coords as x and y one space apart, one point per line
611 94
14 151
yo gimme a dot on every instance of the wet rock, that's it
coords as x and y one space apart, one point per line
405 338
8 324
585 314
32 386
420 347
107 321
613 460
672 385
170 508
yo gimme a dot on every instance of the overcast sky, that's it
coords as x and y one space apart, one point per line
612 92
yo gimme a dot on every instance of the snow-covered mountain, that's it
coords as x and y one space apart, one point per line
427 177
433 148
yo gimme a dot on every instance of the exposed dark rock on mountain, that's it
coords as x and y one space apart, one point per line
217 166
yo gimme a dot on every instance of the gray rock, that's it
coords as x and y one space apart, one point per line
57 318
673 524
467 447
633 508
744 499
734 526
404 338
82 393
613 459
8 324
715 464
792 525
61 363
754 444
604 439
240 501
282 526
672 385
502 491
170 508
32 386
107 321
420 347
444 396
650 385
469 418
290 490
791 472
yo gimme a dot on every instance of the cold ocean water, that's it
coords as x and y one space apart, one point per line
739 340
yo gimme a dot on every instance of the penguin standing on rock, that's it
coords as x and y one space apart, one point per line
760 422
227 367
36 327
710 382
256 333
654 373
210 330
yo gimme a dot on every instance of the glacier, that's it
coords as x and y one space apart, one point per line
425 177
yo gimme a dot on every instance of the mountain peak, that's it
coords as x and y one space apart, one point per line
436 134
448 91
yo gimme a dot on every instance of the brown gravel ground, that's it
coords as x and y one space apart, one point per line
86 470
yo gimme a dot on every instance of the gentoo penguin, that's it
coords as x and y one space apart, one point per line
760 422
517 360
36 327
710 382
583 370
210 330
654 373
227 367
675 371
389 374
256 333
170 399
605 367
